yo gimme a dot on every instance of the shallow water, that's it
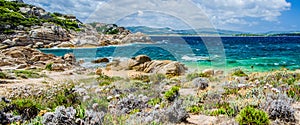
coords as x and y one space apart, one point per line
263 53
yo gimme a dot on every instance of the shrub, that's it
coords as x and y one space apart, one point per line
250 115
239 73
281 109
195 109
229 91
172 94
192 76
154 101
27 108
294 92
2 75
26 74
49 66
157 78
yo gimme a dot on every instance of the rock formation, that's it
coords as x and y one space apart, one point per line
143 63
24 57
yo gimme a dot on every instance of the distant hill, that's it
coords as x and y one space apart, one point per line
169 31
204 32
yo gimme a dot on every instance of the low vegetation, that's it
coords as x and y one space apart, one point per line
12 18
252 116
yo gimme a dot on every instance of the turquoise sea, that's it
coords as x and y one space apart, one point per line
248 53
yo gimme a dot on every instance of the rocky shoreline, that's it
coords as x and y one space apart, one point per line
139 91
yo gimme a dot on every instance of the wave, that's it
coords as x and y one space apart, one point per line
195 58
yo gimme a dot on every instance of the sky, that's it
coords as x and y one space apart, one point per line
253 16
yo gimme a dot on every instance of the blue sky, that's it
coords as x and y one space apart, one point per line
240 15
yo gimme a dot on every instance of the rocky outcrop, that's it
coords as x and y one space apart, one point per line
102 60
143 63
24 57
89 36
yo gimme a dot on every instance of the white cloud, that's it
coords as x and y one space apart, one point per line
222 13
235 11
81 8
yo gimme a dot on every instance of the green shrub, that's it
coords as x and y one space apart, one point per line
229 91
192 76
80 112
171 94
27 108
294 92
252 116
104 83
239 73
65 97
217 112
195 109
154 101
27 74
49 66
2 75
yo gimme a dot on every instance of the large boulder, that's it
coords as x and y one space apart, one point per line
9 42
143 63
22 57
102 60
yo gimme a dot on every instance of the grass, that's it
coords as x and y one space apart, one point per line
27 74
3 75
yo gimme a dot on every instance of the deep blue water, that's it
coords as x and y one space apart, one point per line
263 53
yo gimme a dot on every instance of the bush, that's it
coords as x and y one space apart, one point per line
195 109
281 109
192 76
27 74
172 94
154 101
49 66
252 116
2 75
239 73
27 108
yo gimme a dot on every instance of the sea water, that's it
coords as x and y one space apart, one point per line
248 53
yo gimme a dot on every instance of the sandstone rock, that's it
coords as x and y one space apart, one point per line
142 58
58 67
102 60
2 46
219 72
9 42
203 120
66 45
22 66
98 71
39 45
22 57
166 67
70 58
15 54
209 72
